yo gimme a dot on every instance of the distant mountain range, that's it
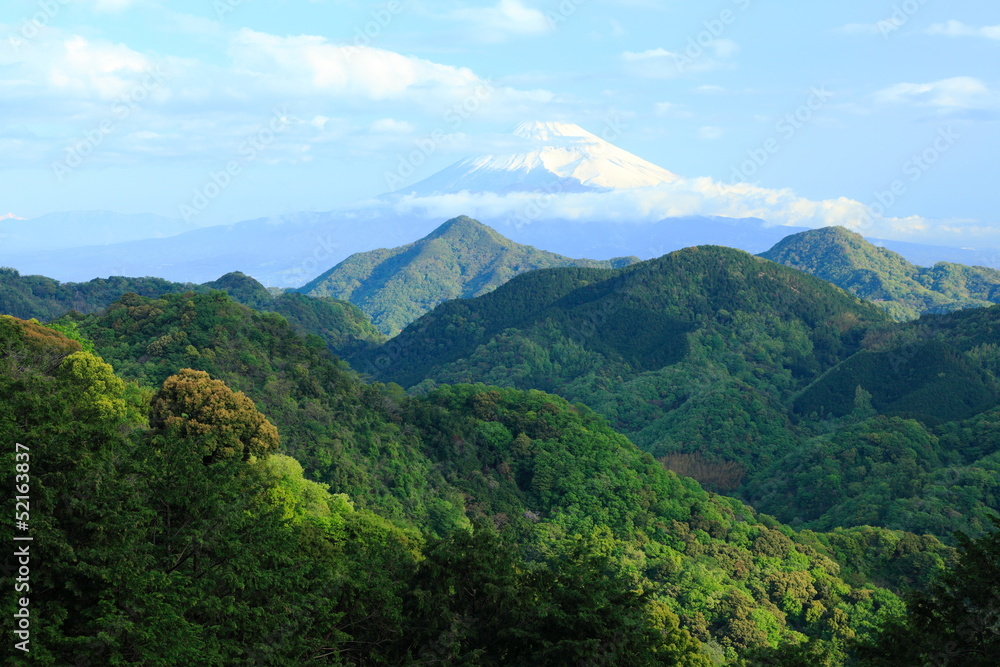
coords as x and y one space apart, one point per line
59 231
847 260
541 159
460 259
464 258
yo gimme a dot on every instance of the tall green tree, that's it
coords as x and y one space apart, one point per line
957 621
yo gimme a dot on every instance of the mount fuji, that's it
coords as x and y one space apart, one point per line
557 157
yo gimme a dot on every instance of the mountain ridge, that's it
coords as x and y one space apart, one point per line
674 283
847 259
461 258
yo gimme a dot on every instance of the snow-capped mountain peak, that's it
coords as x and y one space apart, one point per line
556 157
547 131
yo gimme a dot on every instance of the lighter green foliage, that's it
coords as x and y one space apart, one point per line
100 392
303 500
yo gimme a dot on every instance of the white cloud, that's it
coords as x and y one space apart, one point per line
392 126
672 110
725 48
660 63
685 197
108 5
631 57
710 133
498 23
963 92
860 29
70 66
959 29
104 68
70 84
309 64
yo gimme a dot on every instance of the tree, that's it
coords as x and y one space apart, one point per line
957 621
227 424
476 601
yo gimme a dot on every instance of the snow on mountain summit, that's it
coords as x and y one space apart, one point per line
556 157
548 131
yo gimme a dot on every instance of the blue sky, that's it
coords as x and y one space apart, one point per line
290 105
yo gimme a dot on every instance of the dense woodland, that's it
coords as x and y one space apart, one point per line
705 459
757 380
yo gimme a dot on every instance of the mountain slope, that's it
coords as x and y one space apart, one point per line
692 353
849 261
916 433
638 315
756 379
460 259
939 368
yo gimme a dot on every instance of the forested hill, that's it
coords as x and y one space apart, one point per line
342 325
846 259
177 529
460 259
45 299
641 318
756 379
936 369
909 433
